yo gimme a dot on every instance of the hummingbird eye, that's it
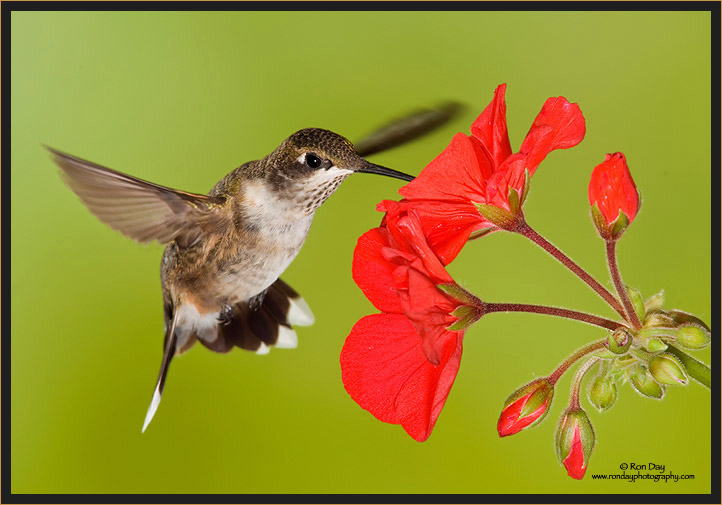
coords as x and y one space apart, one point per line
312 160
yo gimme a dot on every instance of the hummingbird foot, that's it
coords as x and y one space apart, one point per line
225 316
255 302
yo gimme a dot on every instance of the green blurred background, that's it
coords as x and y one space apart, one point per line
182 98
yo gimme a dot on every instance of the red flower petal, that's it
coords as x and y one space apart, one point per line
455 175
415 278
410 226
559 125
491 131
447 226
613 189
511 175
574 462
429 310
385 372
373 273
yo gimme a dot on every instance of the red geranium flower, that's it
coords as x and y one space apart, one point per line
400 365
613 193
481 169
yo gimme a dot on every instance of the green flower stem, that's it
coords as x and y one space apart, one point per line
523 228
617 278
695 368
642 355
574 400
551 311
597 345
660 332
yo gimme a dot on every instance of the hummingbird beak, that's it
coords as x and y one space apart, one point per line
370 168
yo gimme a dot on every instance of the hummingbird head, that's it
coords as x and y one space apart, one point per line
312 149
310 164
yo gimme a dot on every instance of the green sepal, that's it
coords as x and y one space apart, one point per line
467 316
514 203
457 292
480 233
535 401
644 384
636 298
525 189
496 215
599 222
654 302
695 368
619 225
530 389
658 318
565 434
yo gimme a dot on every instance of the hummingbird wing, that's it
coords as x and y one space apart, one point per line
406 129
139 209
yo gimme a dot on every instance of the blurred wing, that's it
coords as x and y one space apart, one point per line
408 128
138 209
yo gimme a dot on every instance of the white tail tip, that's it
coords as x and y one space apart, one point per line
151 409
287 338
299 313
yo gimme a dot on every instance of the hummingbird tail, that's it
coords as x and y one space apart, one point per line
261 323
253 325
168 353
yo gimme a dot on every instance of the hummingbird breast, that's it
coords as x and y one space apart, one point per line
242 261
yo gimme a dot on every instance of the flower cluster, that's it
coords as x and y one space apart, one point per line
400 364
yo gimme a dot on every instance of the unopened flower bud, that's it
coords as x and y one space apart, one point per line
654 302
655 345
602 393
619 341
659 319
692 336
526 406
636 298
575 441
683 317
613 196
643 382
667 369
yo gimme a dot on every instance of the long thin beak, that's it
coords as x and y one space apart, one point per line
370 168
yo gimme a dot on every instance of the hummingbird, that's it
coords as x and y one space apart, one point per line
225 250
